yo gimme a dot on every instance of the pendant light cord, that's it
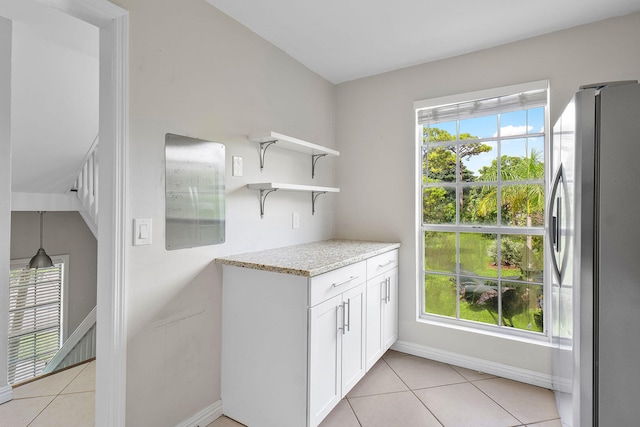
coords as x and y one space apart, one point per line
41 226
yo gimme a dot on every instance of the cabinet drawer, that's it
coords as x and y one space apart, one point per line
335 282
382 263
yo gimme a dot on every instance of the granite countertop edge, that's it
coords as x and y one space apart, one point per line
280 266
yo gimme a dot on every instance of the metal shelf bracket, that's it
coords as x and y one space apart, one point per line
314 159
314 196
263 196
263 150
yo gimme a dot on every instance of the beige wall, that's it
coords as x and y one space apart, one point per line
65 233
375 129
196 72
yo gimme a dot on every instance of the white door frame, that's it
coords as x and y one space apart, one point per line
5 199
111 341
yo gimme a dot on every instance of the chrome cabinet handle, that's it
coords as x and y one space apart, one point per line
350 279
346 318
554 224
386 263
340 328
388 289
347 325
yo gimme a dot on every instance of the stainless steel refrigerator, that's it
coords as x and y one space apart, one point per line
594 245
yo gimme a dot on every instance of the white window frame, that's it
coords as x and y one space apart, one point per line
19 264
545 336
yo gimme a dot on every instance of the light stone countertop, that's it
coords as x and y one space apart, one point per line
309 259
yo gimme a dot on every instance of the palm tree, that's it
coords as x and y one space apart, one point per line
518 199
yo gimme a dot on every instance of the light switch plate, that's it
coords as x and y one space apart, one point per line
141 231
295 220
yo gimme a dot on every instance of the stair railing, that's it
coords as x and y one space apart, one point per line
86 187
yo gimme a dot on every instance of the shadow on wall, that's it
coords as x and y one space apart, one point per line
174 356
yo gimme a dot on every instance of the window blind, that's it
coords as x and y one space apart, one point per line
482 107
35 302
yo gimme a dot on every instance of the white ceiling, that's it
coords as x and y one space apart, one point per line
344 40
54 100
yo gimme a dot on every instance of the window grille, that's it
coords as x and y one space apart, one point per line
481 204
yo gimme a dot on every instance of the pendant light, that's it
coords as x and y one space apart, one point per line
40 259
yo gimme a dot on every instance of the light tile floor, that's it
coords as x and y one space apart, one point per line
399 391
63 399
408 391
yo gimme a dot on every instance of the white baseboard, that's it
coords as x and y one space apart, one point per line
505 371
204 417
6 394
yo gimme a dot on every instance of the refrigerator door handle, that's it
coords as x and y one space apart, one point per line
554 224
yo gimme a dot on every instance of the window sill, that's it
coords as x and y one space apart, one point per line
540 339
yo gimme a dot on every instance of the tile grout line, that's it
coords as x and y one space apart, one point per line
353 410
493 400
75 377
412 392
464 380
56 396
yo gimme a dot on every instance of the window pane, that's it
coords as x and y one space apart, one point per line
440 295
535 120
470 207
479 127
513 152
521 257
475 254
440 252
532 264
441 165
477 160
439 132
479 300
439 205
513 123
522 159
522 306
535 154
484 204
523 205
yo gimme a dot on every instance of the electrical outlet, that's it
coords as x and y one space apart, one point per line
237 166
295 220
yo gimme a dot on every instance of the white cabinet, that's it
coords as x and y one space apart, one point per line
336 350
382 305
390 311
324 359
293 346
353 337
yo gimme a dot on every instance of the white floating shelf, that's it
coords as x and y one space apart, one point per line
267 188
267 138
292 187
291 143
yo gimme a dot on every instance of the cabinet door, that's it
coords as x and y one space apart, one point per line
324 358
375 297
390 310
352 335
